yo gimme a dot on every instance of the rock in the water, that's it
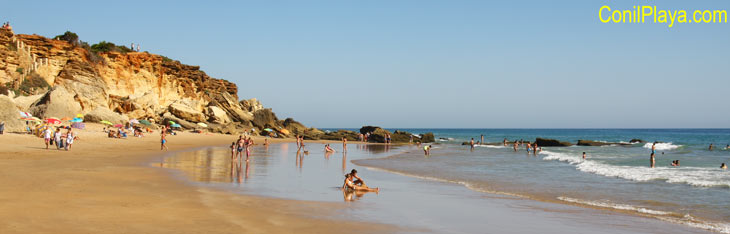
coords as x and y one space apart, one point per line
58 102
339 134
10 114
551 142
185 111
368 129
378 135
102 113
264 118
427 137
636 141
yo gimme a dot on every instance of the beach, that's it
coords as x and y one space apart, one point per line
108 185
105 185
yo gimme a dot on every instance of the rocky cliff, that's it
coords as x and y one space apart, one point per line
55 78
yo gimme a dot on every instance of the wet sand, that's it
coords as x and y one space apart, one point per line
410 203
106 185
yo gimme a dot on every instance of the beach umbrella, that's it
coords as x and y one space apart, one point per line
25 114
78 125
118 125
27 118
145 122
176 126
36 118
53 121
171 122
106 122
284 131
268 129
66 119
79 116
76 120
203 125
134 121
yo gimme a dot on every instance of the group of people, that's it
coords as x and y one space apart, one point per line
58 138
534 148
238 147
7 26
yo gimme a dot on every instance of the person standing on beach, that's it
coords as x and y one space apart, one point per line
163 139
652 160
57 138
2 127
344 144
427 150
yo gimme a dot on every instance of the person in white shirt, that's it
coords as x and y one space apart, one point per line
69 139
57 138
47 136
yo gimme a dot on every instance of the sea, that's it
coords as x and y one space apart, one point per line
614 178
617 177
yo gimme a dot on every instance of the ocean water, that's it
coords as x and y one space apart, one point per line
616 177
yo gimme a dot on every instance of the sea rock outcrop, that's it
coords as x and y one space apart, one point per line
264 118
542 142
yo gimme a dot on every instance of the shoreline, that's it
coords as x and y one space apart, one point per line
105 185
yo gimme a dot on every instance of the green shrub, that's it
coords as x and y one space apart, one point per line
166 59
12 47
68 36
105 46
32 83
19 70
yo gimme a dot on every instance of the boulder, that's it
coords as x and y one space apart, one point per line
251 105
542 142
636 141
230 105
58 102
24 102
339 134
103 113
368 129
378 135
403 137
167 117
185 111
313 134
9 114
218 115
427 137
264 118
294 127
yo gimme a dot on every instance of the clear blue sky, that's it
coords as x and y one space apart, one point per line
512 64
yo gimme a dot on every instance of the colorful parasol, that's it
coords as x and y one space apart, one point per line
106 122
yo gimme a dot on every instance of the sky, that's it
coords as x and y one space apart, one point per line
429 64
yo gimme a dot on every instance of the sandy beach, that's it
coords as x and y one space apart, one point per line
106 185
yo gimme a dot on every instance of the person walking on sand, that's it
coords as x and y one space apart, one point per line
69 138
47 136
57 137
2 127
344 144
163 139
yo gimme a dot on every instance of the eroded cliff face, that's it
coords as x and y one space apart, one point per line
136 84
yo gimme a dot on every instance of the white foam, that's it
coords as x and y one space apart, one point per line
694 176
607 204
491 146
662 146
661 215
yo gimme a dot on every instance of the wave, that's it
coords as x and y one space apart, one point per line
491 146
445 139
694 176
662 146
661 215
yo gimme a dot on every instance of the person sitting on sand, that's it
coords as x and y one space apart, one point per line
350 185
328 149
723 166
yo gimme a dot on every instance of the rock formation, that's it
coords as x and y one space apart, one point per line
116 86
551 142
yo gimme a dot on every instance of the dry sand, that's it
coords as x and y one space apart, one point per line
105 185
